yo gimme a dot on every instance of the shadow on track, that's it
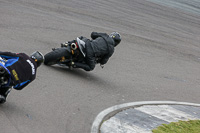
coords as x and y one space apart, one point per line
12 110
87 77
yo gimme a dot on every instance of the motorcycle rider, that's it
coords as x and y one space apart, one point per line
17 70
98 50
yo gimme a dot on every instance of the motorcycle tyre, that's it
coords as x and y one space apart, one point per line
54 56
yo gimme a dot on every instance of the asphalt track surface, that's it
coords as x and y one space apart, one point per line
158 59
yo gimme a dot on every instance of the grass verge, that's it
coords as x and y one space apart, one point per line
191 126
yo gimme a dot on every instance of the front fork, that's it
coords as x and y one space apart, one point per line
70 62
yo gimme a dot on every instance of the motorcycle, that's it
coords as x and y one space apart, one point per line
67 54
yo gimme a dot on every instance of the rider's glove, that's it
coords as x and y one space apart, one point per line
64 44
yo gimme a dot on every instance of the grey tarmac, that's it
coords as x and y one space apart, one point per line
157 60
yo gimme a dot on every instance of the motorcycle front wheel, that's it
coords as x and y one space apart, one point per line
54 56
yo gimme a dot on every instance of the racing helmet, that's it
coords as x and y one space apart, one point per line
116 37
38 57
5 76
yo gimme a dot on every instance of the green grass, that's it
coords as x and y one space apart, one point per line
191 126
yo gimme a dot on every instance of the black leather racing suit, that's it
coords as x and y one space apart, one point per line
101 46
